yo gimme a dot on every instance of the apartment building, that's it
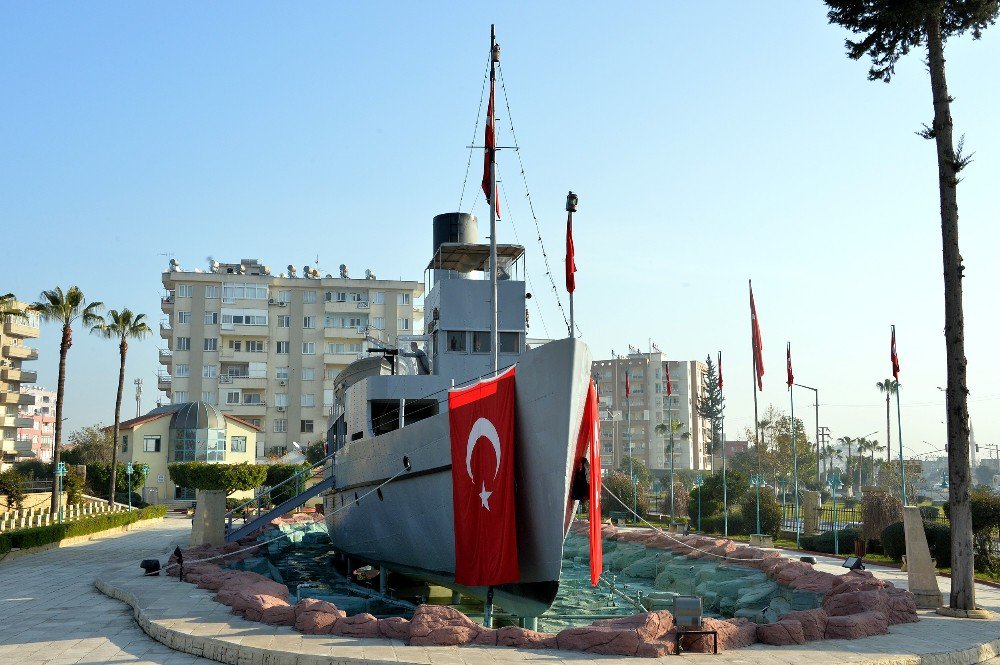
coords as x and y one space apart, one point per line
634 420
13 352
36 427
266 348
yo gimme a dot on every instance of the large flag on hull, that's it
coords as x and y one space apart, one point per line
590 441
481 419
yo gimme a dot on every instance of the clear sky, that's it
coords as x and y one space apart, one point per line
709 143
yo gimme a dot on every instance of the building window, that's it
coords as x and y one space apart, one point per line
253 421
183 317
125 443
232 397
308 321
309 348
282 347
330 373
211 292
354 348
211 318
402 298
309 297
182 370
284 296
306 426
183 344
184 290
238 444
456 341
255 346
209 397
284 321
328 397
308 374
236 345
402 324
480 341
281 373
209 371
378 322
245 317
232 292
510 342
253 398
211 344
334 347
280 425
179 397
308 399
151 444
184 494
378 297
281 399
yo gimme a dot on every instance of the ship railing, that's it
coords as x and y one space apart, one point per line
252 508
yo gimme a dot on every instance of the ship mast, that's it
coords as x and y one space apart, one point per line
491 152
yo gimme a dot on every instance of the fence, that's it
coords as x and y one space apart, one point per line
843 518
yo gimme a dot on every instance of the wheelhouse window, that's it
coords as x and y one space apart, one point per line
456 341
480 341
510 342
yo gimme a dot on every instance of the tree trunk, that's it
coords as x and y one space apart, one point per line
963 595
888 430
123 348
67 341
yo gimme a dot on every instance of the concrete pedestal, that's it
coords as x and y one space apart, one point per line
809 505
209 526
920 573
761 540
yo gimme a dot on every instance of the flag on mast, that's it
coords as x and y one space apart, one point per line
893 357
570 255
670 390
758 344
791 376
628 389
489 152
720 370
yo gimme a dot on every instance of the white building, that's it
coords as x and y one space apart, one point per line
265 348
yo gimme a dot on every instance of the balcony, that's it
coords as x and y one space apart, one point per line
20 352
13 375
228 355
167 304
163 382
340 358
9 397
166 332
26 400
20 328
166 357
240 410
350 333
347 306
243 330
243 381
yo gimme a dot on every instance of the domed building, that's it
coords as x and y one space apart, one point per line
188 432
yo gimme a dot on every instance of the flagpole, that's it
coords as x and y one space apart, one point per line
628 431
571 203
491 150
756 424
670 426
795 450
725 498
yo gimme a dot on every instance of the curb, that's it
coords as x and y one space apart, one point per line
76 540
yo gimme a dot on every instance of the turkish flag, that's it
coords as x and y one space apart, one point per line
570 256
758 343
791 376
628 388
488 154
670 389
720 370
893 357
590 434
481 418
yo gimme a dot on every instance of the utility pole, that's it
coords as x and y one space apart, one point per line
138 397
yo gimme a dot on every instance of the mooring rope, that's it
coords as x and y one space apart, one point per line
667 534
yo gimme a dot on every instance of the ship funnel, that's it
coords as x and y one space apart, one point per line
454 227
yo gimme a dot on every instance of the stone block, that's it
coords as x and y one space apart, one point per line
781 633
813 623
855 626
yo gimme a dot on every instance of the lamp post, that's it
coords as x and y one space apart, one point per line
699 480
60 472
128 474
758 481
782 485
834 481
816 402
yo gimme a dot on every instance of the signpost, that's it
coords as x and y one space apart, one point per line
60 472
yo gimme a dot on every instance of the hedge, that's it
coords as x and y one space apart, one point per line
227 477
53 533
938 542
278 473
824 541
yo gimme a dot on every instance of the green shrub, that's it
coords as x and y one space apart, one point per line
99 477
137 502
12 487
770 514
893 541
824 541
716 523
226 477
73 483
985 527
53 533
930 512
279 473
620 484
34 469
938 541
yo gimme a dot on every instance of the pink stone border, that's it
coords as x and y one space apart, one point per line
855 605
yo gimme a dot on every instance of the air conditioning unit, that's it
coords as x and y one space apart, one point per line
281 409
282 304
272 301
282 383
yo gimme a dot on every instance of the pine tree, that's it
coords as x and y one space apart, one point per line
711 404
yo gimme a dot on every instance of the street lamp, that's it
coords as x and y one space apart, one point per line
816 396
699 480
834 482
758 482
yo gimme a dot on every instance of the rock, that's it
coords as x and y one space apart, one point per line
439 625
750 614
359 625
813 622
780 605
255 607
781 633
512 636
394 628
733 634
648 625
316 623
759 594
278 615
854 626
316 605
902 606
855 602
770 615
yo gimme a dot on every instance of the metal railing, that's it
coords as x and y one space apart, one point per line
266 494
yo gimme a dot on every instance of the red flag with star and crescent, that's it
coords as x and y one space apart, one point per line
893 357
491 144
481 419
589 443
758 343
791 376
720 370
670 389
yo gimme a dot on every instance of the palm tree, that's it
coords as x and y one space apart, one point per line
847 442
122 326
889 387
873 447
64 308
672 428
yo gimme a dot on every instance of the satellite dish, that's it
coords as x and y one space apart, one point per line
343 271
291 270
295 444
306 270
267 270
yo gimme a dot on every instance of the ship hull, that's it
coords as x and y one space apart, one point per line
408 524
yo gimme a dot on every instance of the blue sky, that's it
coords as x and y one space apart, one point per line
709 143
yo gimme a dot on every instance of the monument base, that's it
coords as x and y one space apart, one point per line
946 611
927 600
761 540
921 575
209 524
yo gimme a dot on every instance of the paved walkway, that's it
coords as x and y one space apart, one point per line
51 614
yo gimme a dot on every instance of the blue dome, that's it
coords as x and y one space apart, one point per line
198 415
